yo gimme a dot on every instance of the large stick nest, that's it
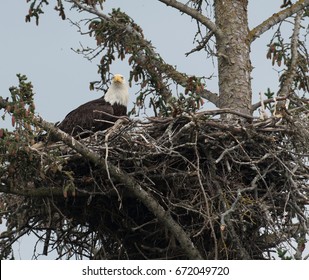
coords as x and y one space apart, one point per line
237 189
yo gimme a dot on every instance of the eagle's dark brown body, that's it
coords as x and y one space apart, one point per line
95 115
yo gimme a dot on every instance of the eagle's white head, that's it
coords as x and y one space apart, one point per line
118 91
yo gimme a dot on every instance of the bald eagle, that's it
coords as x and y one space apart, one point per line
98 114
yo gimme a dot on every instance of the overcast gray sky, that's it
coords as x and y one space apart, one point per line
61 77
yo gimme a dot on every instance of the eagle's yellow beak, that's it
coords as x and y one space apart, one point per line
118 78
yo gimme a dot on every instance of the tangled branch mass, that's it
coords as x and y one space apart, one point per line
233 188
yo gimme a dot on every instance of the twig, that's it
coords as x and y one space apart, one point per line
109 132
201 44
198 171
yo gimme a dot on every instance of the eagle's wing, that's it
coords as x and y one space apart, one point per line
92 116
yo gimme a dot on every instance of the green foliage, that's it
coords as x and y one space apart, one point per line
282 254
22 106
21 110
269 94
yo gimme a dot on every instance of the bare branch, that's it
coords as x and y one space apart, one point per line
225 111
194 14
276 18
266 101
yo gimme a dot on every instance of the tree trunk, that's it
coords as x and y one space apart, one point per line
233 49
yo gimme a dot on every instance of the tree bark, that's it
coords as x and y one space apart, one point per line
233 50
